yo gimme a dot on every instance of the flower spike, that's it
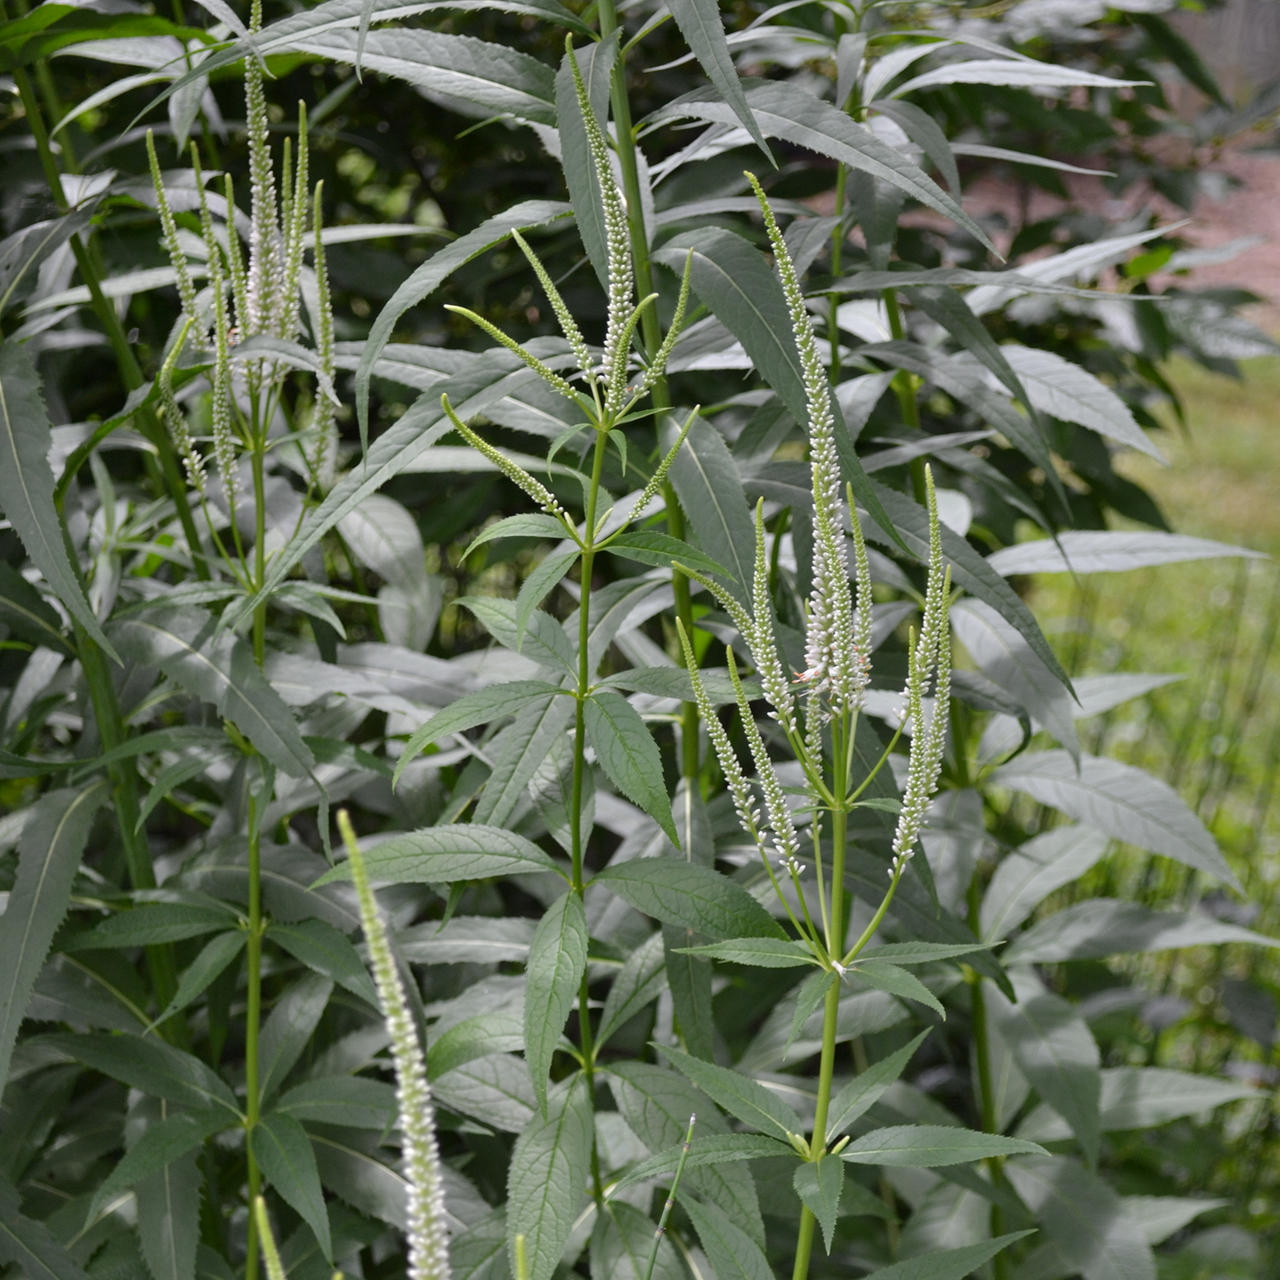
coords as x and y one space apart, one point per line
548 375
568 325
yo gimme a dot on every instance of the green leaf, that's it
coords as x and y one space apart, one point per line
285 1033
352 1101
535 524
595 65
897 981
640 981
328 951
467 940
547 1178
23 252
150 924
219 670
153 1066
1033 871
948 1264
866 1088
739 1095
29 1245
703 29
1012 74
24 611
628 754
1109 551
1172 44
717 1149
1056 1051
544 639
163 1142
361 1179
819 1186
1083 1217
621 1244
689 980
477 1037
480 1252
1123 802
813 991
660 549
169 1218
212 960
26 484
283 1151
53 839
732 1253
683 893
441 855
763 953
1100 927
921 952
540 581
930 1146
490 703
674 682
557 961
926 133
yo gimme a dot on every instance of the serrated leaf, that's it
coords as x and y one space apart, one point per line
1011 74
739 1095
352 1101
53 839
29 1244
219 670
931 1146
1123 802
897 981
683 893
716 1149
1033 871
214 957
535 524
26 484
480 1252
534 589
149 924
621 1244
285 1033
467 940
442 855
1083 1217
283 1151
1056 1051
731 1252
544 639
557 961
329 952
516 755
1108 551
359 1178
24 611
546 1182
660 549
639 982
763 953
948 1264
477 1037
813 991
689 980
920 952
819 1186
628 754
169 1218
864 1090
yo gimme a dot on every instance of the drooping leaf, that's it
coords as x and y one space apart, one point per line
534 589
896 980
557 961
689 980
441 855
285 1033
219 670
26 484
1056 1051
547 1180
865 1089
628 754
819 1186
169 1218
684 893
739 1095
930 1146
1121 801
1009 73
284 1154
53 838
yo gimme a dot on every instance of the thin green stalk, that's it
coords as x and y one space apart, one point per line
670 1204
905 390
259 554
253 1016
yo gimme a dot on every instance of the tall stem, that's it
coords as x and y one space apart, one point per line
253 1015
259 553
905 389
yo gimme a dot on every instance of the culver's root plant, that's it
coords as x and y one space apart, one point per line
635 571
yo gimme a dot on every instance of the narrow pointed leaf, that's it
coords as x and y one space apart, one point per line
865 1089
628 754
931 1146
24 612
739 1095
639 982
284 1154
714 1149
892 978
819 1186
327 951
763 953
948 1264
731 1252
553 974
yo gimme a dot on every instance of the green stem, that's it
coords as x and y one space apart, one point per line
905 388
259 553
167 474
671 1200
253 1015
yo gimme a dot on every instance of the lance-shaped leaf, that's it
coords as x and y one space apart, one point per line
1084 1218
920 952
948 1264
283 1151
219 670
659 549
865 1089
716 1149
152 923
732 1253
23 252
897 981
931 1146
628 754
29 1244
428 277
544 639
326 950
684 893
213 959
639 982
546 1182
169 1218
763 953
53 838
478 1037
1123 802
1109 551
1056 1051
355 1102
557 961
621 1244
739 1095
285 1033
442 855
25 613
26 483
819 1186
